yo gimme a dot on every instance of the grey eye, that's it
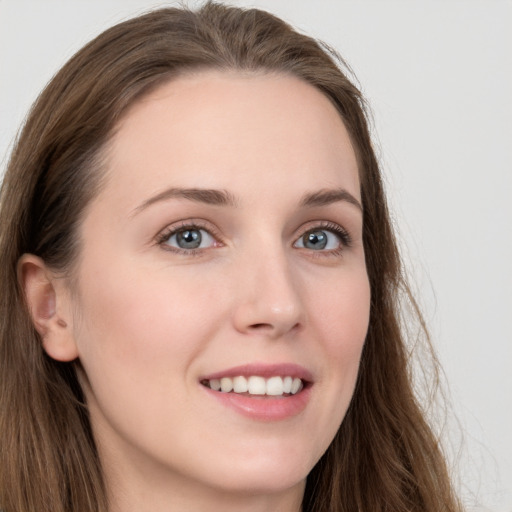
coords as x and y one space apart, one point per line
318 240
315 240
191 238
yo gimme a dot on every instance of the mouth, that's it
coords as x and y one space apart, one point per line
261 392
276 386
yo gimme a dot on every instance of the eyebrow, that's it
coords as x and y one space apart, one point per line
216 197
199 195
325 197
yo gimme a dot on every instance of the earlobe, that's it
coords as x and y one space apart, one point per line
46 302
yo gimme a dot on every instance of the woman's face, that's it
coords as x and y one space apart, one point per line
226 243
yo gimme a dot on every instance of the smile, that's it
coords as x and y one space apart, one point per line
261 392
256 385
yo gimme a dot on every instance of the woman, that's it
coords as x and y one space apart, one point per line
201 285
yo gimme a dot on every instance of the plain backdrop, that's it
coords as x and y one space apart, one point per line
438 77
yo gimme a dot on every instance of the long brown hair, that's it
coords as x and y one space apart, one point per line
384 456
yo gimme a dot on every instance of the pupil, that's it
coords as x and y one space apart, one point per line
189 239
315 240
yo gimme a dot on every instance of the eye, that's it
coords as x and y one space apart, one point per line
187 238
332 238
318 240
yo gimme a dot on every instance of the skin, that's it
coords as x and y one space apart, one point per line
147 320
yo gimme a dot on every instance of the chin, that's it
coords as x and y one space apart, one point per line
270 472
269 482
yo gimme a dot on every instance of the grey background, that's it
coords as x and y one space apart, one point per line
438 77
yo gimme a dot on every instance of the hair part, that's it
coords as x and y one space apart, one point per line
384 457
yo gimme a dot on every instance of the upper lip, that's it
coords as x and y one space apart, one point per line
263 370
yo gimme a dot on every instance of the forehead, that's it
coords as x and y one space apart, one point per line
229 130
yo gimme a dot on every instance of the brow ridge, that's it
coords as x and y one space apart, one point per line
200 195
216 197
325 197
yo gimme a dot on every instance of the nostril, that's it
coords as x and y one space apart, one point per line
271 328
261 326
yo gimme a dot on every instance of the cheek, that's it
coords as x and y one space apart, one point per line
137 310
139 329
343 315
342 312
137 336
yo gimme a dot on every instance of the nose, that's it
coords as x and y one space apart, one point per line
268 300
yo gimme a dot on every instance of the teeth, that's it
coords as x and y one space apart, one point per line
296 385
256 385
275 386
226 384
215 384
287 384
240 385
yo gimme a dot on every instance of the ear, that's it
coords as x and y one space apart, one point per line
48 303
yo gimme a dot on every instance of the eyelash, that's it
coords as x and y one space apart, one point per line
341 233
170 231
164 236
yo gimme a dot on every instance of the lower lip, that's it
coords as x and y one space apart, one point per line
263 407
